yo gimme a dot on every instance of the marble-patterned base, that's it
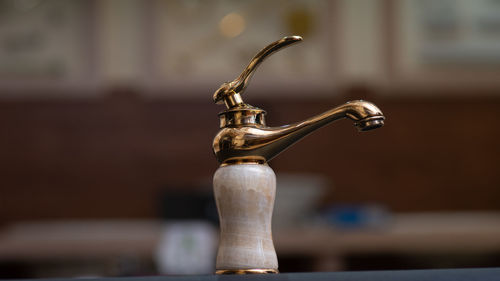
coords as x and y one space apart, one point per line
244 194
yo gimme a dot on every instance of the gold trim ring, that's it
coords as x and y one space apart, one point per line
247 271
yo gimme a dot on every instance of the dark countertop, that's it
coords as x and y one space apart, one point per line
479 274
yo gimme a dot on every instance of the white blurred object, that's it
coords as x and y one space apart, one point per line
297 196
187 248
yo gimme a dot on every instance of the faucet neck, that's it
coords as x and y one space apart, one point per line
233 100
245 138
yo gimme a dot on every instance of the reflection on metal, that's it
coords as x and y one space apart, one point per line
229 92
246 271
244 136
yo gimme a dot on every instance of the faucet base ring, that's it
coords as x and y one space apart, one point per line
247 271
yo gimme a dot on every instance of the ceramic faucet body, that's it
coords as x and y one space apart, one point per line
244 185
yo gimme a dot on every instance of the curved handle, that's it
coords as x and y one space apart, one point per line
229 92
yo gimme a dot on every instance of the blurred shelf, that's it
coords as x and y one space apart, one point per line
431 233
425 233
79 240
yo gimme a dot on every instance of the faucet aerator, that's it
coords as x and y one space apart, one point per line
370 123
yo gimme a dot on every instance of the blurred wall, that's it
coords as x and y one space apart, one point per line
110 156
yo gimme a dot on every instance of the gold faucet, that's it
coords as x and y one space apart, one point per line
245 192
244 136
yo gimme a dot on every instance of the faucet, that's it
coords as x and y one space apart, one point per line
244 184
244 136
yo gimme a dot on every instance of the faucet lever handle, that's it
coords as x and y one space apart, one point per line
229 92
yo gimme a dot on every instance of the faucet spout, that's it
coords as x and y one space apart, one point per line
257 143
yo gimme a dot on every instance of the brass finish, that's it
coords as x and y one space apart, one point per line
229 92
244 136
243 142
247 271
243 116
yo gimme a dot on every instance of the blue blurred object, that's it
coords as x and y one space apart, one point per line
356 216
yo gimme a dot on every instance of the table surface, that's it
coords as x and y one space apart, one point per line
479 274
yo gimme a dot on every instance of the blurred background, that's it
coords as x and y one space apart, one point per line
106 124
